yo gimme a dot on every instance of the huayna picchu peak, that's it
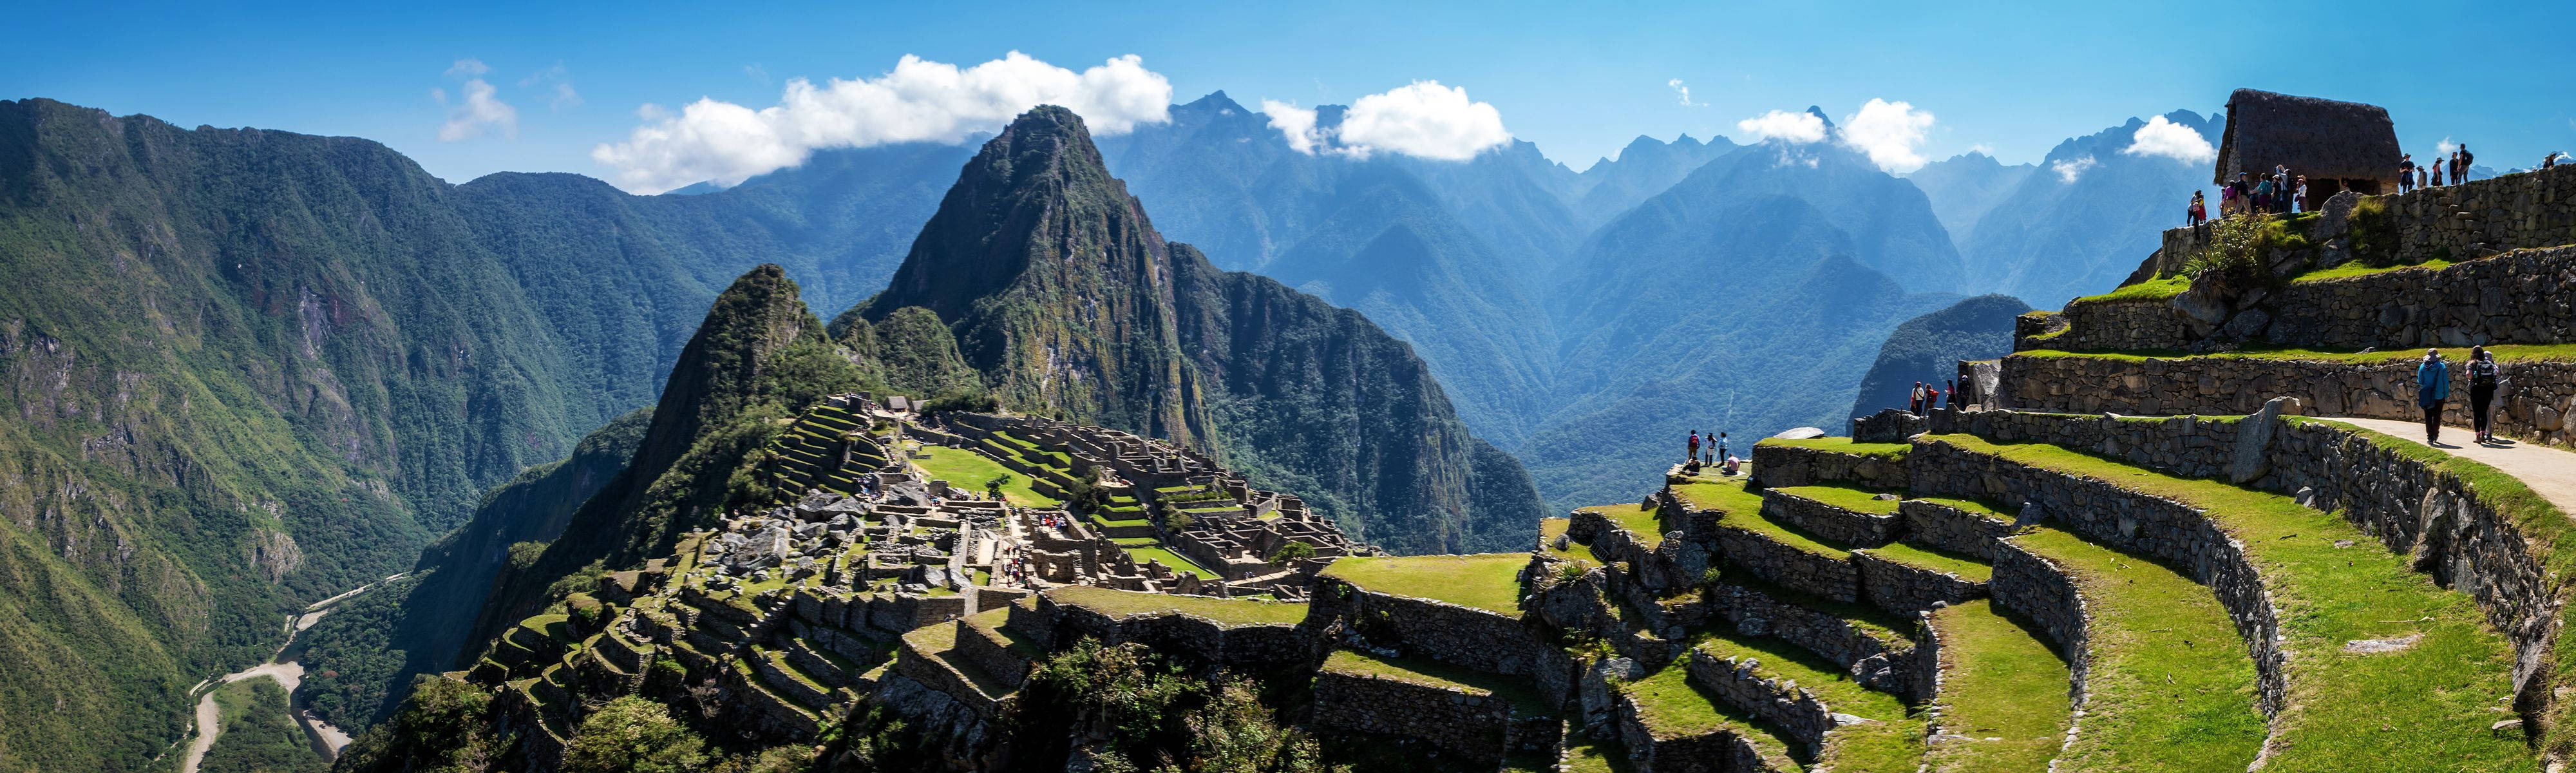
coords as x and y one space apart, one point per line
561 403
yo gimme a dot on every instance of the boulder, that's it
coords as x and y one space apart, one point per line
1800 433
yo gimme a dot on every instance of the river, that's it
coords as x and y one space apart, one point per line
288 673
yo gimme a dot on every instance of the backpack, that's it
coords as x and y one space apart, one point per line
2482 374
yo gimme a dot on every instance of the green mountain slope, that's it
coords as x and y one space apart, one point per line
1929 348
1064 295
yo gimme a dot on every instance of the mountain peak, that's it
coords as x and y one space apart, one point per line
1819 113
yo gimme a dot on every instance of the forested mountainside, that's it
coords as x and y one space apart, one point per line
1929 348
2075 225
1063 295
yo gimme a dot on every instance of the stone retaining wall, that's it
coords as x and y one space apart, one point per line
1796 712
1477 639
2034 588
2175 534
1716 751
1776 465
1472 724
1263 647
2534 403
1787 566
1906 589
1895 667
2514 298
1829 521
1932 524
2533 209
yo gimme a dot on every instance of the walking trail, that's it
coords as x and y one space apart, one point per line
2549 471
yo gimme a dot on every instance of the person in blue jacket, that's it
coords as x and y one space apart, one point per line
2432 386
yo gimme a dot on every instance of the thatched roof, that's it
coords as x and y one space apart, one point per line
2314 137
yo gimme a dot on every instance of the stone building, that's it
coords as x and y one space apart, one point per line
2338 146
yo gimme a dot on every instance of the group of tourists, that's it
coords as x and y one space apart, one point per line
1717 455
1927 396
2433 389
2414 176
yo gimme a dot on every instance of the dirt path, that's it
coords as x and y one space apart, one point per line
208 723
2549 471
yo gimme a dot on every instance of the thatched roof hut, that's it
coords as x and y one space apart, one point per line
2349 142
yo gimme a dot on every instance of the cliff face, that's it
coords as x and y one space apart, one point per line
1062 293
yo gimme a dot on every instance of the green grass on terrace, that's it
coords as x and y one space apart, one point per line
1853 499
1584 754
1647 523
1971 506
1786 534
1576 553
2442 687
1143 553
1869 620
1670 706
2002 681
969 470
2503 353
1432 673
2354 268
1231 612
1842 445
2170 686
1725 496
1935 560
1487 581
1893 745
2151 290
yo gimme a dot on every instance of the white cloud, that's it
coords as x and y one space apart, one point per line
1785 126
1423 120
565 97
1676 85
2070 169
756 72
1889 132
2165 138
2446 147
919 101
467 68
479 109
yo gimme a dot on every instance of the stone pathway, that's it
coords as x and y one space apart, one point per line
2549 471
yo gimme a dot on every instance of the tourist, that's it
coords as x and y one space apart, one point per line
2551 159
2460 174
2300 196
2263 196
1734 465
2432 386
2420 175
1721 447
1694 447
2197 216
2406 173
2437 175
2280 189
2482 389
1954 391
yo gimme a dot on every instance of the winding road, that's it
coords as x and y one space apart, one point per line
208 722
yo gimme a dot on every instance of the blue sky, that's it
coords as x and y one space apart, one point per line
1578 79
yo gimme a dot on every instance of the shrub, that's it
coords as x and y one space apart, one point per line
2235 250
2374 232
633 734
972 402
1293 551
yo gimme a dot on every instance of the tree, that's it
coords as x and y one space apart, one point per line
634 734
994 486
1293 551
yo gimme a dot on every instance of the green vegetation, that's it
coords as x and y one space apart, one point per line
351 659
1936 560
2148 291
1893 745
1844 497
2170 687
1842 445
1295 550
1574 553
1157 715
1487 581
1177 563
1583 754
2000 681
1645 521
2444 685
1970 506
1432 673
1670 706
1231 612
634 735
444 725
2357 268
1724 496
259 735
968 469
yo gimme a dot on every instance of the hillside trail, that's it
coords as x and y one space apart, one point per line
208 722
2549 471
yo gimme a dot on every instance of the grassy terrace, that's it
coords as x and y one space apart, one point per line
2440 690
1999 681
1869 620
1583 754
1669 706
1895 745
1971 506
1935 560
1488 581
1645 522
969 470
1725 496
1576 553
1841 445
2168 287
2171 687
1228 612
2502 352
1432 673
1144 553
1845 497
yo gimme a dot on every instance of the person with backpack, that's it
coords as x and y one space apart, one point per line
2483 376
2406 173
2432 386
2461 175
1694 447
2197 216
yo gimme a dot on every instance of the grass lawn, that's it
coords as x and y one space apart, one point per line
2502 352
2142 292
1845 497
2341 704
2171 687
1576 553
1669 706
1970 506
1725 496
2354 268
969 470
1432 673
1999 681
1936 560
1645 522
1786 534
1841 445
1143 553
1893 745
1583 754
1230 612
1487 581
